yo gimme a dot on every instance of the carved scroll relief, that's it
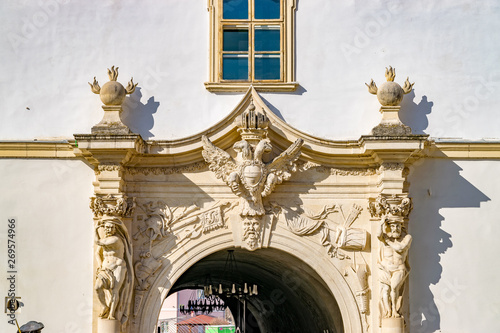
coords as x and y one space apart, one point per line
157 223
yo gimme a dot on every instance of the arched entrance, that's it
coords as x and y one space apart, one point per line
292 297
299 286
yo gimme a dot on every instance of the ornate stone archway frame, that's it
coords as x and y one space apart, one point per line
326 202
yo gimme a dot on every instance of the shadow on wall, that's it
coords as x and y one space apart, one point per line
139 116
435 184
415 115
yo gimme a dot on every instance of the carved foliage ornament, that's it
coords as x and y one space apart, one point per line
111 205
390 206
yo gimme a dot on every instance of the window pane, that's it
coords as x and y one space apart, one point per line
235 67
267 9
267 67
267 38
235 9
235 40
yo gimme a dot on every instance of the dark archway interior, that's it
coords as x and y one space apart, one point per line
291 295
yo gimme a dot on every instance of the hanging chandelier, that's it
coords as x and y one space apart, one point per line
237 289
205 305
214 293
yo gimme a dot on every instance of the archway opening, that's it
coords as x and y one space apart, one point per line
291 296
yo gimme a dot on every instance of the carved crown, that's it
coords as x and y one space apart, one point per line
252 124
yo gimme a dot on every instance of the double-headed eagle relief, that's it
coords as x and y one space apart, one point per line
247 175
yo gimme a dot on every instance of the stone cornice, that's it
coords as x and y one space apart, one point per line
171 150
463 149
37 149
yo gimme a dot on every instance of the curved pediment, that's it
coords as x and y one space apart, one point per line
354 153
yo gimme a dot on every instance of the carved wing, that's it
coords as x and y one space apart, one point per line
219 162
282 167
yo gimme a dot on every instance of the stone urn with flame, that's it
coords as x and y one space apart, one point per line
112 95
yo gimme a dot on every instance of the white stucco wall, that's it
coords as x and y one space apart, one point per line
50 49
454 224
49 200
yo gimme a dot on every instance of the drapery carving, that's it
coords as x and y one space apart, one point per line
334 236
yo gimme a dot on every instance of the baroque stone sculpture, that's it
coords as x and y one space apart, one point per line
114 279
333 236
390 94
112 95
393 264
247 175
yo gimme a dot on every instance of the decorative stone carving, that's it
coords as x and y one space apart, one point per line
361 288
394 205
304 166
114 276
248 176
361 271
209 219
391 166
393 264
108 167
144 269
112 95
157 222
115 272
167 170
111 205
344 237
390 94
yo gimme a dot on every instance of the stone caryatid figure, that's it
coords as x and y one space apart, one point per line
394 245
247 175
114 280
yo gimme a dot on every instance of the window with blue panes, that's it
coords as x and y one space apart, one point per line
252 40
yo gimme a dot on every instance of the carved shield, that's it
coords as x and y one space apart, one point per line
252 174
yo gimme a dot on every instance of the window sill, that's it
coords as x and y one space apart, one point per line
243 86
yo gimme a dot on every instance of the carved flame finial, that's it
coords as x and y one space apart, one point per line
94 86
407 87
390 74
390 93
113 73
112 92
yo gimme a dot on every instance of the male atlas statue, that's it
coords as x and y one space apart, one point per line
393 263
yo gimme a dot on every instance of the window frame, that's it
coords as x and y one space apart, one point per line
287 51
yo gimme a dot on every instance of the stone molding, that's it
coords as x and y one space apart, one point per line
65 149
146 171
